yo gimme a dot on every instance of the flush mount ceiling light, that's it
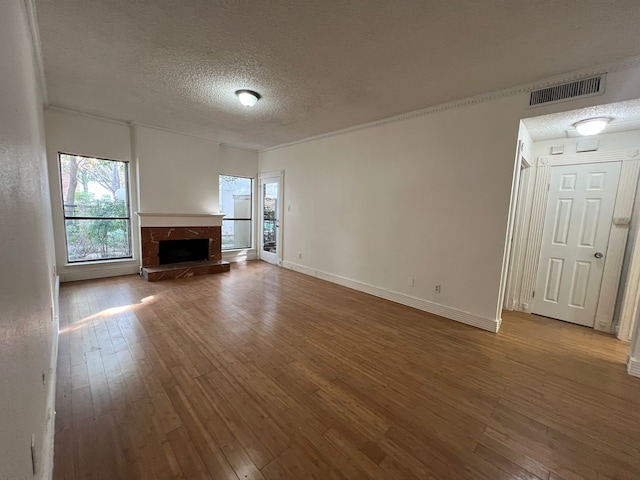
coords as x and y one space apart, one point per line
248 97
591 126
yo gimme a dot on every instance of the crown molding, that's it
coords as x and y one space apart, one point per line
624 64
36 46
170 130
69 111
234 147
130 124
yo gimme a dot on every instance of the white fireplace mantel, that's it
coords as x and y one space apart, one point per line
149 219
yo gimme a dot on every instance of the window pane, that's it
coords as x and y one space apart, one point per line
236 234
235 196
269 236
94 188
97 239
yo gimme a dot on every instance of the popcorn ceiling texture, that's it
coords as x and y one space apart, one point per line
625 117
319 65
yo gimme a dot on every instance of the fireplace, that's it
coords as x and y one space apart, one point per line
176 251
175 246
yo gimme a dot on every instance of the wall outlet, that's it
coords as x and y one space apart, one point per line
438 288
299 255
410 281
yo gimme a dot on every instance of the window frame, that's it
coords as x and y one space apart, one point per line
250 220
65 217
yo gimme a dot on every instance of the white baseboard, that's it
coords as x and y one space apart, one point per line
634 367
46 469
492 325
89 272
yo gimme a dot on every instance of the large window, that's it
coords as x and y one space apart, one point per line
95 199
236 201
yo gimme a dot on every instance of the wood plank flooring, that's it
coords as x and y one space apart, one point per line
264 373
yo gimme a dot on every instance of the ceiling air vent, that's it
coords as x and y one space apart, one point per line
579 88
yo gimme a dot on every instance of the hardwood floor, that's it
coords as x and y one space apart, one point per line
267 373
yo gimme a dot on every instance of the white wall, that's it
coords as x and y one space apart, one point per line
607 142
28 325
239 162
425 197
170 172
68 132
177 173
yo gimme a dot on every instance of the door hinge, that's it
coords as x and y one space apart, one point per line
533 295
548 186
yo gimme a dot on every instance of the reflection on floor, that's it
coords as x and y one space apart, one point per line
267 373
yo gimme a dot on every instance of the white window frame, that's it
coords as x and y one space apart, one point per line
127 218
250 220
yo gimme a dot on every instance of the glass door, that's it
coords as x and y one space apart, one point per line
270 193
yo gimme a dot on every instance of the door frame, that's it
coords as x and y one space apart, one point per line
262 176
514 277
623 208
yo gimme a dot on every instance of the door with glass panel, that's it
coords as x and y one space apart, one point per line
270 238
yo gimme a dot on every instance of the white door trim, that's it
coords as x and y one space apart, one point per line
517 248
617 239
273 174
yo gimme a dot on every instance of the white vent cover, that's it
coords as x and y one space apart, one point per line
558 93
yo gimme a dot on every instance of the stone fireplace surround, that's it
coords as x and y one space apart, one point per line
155 227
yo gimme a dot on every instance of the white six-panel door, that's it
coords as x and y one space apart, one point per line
574 242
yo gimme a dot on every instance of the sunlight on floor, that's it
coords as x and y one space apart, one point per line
109 312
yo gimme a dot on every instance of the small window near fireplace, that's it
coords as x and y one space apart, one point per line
176 251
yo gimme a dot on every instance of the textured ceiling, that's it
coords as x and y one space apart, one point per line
320 65
625 116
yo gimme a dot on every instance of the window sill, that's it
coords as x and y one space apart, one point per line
101 262
238 250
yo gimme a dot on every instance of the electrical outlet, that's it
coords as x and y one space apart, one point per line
437 289
299 255
410 281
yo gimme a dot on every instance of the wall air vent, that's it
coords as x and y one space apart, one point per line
558 93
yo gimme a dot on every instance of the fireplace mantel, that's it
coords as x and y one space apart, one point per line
149 219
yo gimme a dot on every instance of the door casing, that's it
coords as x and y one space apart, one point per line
617 238
279 174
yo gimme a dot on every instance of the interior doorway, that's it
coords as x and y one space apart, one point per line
270 217
542 277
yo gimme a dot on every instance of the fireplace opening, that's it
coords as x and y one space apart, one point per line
176 251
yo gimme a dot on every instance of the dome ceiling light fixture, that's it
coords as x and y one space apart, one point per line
591 126
248 97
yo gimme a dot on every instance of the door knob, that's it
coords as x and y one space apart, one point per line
598 255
